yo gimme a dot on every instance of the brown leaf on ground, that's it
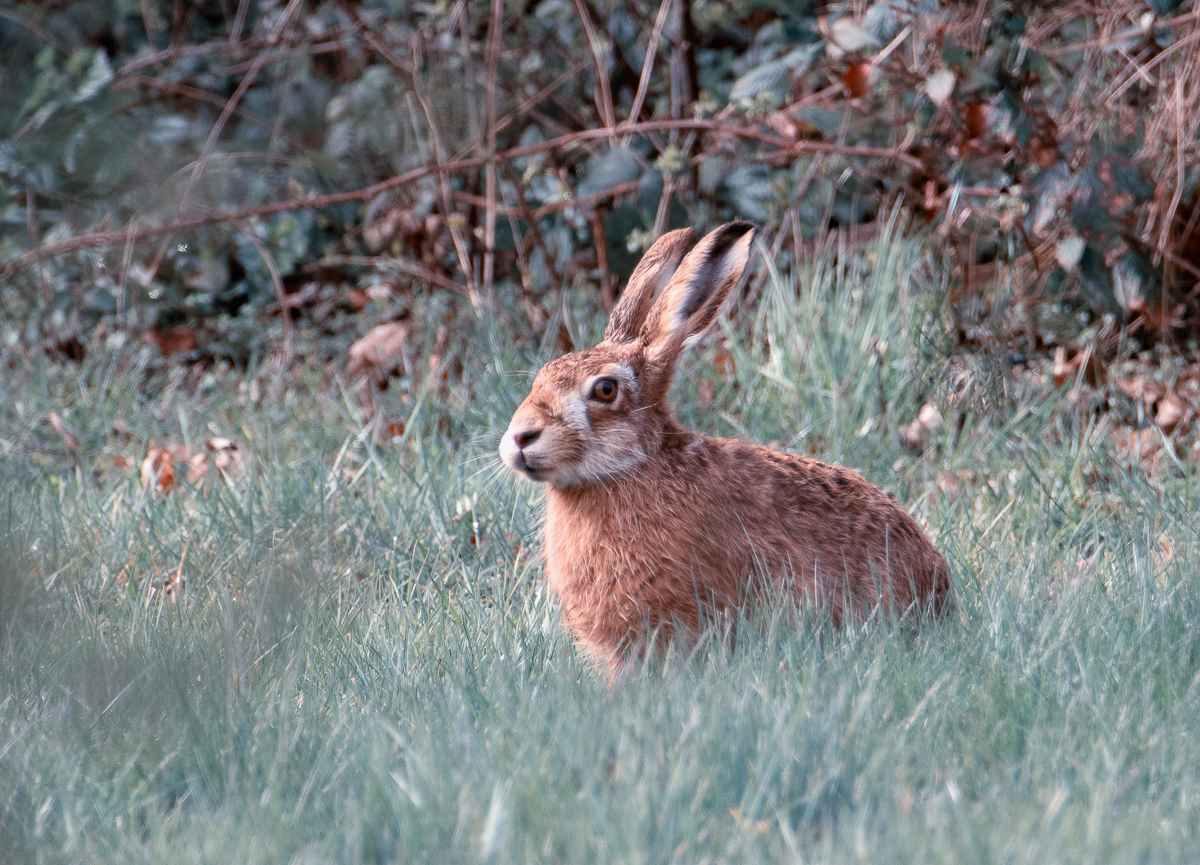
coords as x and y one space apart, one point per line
1068 370
1137 387
197 468
158 470
1166 549
1061 370
175 340
917 434
227 454
123 462
60 427
395 429
1144 446
380 352
947 482
1171 411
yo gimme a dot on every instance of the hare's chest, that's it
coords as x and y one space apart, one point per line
612 577
589 555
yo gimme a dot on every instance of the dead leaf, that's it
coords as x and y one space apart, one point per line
1166 549
227 454
930 417
380 352
784 124
857 79
158 470
918 433
60 427
947 482
1068 370
123 462
1061 370
175 340
395 429
977 119
1148 391
1171 411
197 468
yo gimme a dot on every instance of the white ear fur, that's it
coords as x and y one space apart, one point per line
700 287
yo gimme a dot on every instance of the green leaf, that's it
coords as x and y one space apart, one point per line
610 169
1096 281
775 77
96 79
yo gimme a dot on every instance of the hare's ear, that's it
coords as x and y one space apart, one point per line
649 279
702 283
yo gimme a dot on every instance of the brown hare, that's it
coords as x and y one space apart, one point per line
651 525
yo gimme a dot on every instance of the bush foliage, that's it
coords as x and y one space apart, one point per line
193 170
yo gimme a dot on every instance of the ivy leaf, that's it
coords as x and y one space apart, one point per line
775 77
610 169
96 79
1096 281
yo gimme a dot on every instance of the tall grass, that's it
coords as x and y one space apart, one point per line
362 663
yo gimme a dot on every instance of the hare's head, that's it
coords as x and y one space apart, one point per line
602 412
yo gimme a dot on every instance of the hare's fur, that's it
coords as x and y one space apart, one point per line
651 525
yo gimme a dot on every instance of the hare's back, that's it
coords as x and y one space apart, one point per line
845 531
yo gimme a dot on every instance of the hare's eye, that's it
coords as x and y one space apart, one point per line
605 390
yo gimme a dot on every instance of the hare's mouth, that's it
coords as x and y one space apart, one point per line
521 464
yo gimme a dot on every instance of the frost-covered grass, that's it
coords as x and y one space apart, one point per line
359 662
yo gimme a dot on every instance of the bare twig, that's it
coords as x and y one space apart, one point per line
607 295
41 33
393 262
1109 41
277 282
285 53
200 96
604 99
460 245
648 65
583 202
489 219
239 21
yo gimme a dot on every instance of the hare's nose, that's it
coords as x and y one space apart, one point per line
526 438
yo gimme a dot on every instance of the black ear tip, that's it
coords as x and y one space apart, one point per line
730 233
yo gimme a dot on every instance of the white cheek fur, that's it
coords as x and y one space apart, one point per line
575 413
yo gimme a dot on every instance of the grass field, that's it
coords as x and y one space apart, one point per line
343 652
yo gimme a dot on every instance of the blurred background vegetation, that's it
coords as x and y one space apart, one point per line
185 172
